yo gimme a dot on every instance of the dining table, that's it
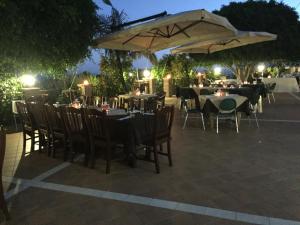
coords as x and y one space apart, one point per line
210 104
135 101
215 100
246 90
131 130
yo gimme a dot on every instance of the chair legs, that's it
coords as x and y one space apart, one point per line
92 155
185 119
24 143
108 159
156 159
203 124
273 97
32 141
3 205
236 123
217 124
187 116
255 116
169 153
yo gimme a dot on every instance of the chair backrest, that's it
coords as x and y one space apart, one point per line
163 121
2 148
189 93
39 114
227 105
150 105
26 118
255 96
205 91
55 120
73 120
161 96
97 124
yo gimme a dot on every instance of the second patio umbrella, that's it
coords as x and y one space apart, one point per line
168 32
242 38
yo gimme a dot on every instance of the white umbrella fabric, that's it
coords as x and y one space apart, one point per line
168 32
219 44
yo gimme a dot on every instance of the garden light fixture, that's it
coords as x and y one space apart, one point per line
147 73
261 68
27 80
217 70
86 82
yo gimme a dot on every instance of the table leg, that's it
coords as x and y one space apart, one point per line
15 119
211 121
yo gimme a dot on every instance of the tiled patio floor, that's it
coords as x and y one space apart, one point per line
256 171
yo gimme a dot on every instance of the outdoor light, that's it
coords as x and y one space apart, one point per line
169 76
27 80
86 82
130 74
217 70
147 73
199 74
261 68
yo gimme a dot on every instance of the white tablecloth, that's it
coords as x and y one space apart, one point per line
216 100
283 84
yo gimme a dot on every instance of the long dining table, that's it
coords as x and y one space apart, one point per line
131 130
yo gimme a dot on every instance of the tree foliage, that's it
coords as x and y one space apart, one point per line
46 36
10 89
179 66
270 16
115 64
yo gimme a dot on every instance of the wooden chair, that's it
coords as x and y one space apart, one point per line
2 154
161 99
75 126
163 120
38 112
150 105
29 127
98 129
57 129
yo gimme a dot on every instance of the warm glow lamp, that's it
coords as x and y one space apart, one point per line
27 80
86 82
146 73
261 68
217 70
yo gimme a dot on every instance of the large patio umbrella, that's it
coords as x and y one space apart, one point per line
240 39
168 31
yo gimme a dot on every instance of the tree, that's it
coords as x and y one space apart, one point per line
179 66
116 62
270 16
46 36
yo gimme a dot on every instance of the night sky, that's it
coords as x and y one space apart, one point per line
136 9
